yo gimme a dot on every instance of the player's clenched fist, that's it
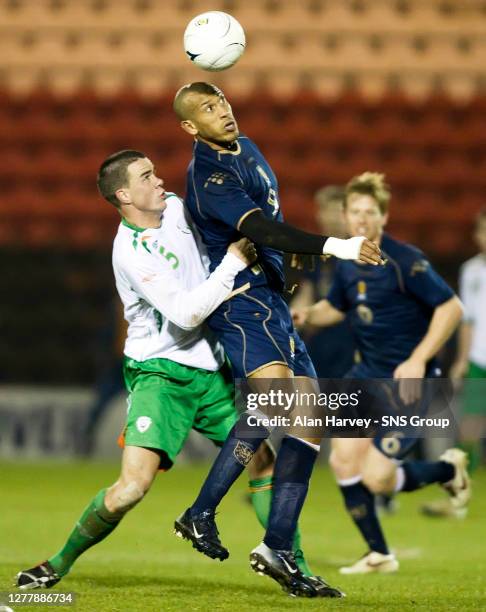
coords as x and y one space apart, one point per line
299 316
370 253
358 248
244 249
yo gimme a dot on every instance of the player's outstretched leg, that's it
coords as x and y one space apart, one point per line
450 472
197 522
274 557
260 471
346 458
100 518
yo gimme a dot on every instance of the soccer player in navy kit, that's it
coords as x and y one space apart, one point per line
401 314
232 191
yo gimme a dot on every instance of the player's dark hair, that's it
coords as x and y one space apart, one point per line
113 174
200 87
331 194
372 184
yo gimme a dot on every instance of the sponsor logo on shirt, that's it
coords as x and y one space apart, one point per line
361 290
216 177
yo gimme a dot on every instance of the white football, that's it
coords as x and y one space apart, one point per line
214 41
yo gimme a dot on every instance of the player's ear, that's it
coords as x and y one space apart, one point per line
123 196
189 127
385 219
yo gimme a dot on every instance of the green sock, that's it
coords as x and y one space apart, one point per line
473 450
261 497
95 524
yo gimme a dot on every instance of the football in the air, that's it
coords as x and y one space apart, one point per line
214 41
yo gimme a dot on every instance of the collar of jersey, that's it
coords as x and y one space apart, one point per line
219 152
131 226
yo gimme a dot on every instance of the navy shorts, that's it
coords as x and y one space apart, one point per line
394 443
255 328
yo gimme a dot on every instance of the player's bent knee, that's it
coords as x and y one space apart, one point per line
343 465
378 483
128 494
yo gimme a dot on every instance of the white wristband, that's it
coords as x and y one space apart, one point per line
344 249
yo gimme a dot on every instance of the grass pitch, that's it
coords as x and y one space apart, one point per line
143 567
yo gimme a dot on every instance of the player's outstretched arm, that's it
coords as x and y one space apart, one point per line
189 308
320 314
284 237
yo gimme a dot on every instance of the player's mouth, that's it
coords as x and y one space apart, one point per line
230 126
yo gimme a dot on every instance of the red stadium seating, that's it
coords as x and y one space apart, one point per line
433 154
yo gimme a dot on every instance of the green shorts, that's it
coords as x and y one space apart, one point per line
474 401
166 400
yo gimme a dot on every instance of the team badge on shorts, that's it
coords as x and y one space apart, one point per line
243 453
143 423
391 444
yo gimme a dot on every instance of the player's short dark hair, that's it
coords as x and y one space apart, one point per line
113 174
372 184
200 87
331 194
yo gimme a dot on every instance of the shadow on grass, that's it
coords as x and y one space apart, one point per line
184 585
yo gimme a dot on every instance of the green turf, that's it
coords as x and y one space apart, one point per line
143 567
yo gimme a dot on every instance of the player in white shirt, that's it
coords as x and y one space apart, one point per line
174 369
470 362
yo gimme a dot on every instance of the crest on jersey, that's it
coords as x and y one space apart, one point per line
365 314
243 453
143 423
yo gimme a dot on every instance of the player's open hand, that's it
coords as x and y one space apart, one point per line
410 374
245 250
370 253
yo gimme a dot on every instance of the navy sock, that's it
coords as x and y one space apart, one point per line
360 503
418 474
234 456
293 469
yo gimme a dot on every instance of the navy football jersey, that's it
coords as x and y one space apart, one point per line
390 306
222 188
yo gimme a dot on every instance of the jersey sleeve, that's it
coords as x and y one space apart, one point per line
423 282
337 295
155 282
222 196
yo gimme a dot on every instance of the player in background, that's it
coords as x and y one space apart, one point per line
331 349
470 362
401 314
232 192
173 367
